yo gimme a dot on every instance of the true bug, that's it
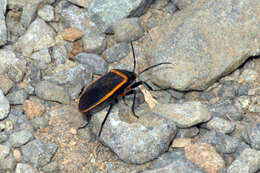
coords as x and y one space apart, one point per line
105 90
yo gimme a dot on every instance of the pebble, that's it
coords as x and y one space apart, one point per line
209 159
19 138
104 19
50 91
39 122
251 135
8 163
128 29
220 125
29 13
17 97
4 106
116 52
33 109
17 155
15 74
37 153
95 63
247 162
181 142
23 167
42 56
174 162
71 34
46 13
223 143
188 132
184 115
3 29
94 42
5 84
38 36
59 53
4 151
52 167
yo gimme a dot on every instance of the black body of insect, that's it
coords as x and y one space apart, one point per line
105 91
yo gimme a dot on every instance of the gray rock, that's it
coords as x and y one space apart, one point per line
226 109
3 29
247 162
95 63
106 12
23 167
20 3
7 163
94 42
174 162
39 121
220 125
20 138
15 74
52 167
198 57
50 91
171 7
116 52
17 97
127 30
46 13
8 59
184 115
223 143
59 53
29 13
74 79
4 151
134 140
42 56
206 95
38 36
251 135
3 136
249 75
4 106
188 132
37 153
73 16
5 84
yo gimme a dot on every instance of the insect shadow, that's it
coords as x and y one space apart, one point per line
105 91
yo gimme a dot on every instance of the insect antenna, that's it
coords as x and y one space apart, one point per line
133 51
148 68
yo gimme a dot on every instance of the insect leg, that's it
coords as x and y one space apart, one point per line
109 109
133 105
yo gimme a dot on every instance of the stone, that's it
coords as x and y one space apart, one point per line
19 138
71 34
59 53
251 135
42 56
93 62
106 12
116 52
127 30
46 13
4 151
3 29
134 140
184 115
204 156
186 41
4 106
17 97
38 36
5 84
50 91
174 162
220 125
33 109
23 167
247 162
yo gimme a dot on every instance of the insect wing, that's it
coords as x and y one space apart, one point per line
99 91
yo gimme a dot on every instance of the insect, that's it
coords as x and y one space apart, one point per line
105 91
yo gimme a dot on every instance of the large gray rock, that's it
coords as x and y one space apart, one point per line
184 115
107 12
38 36
205 42
134 140
3 29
